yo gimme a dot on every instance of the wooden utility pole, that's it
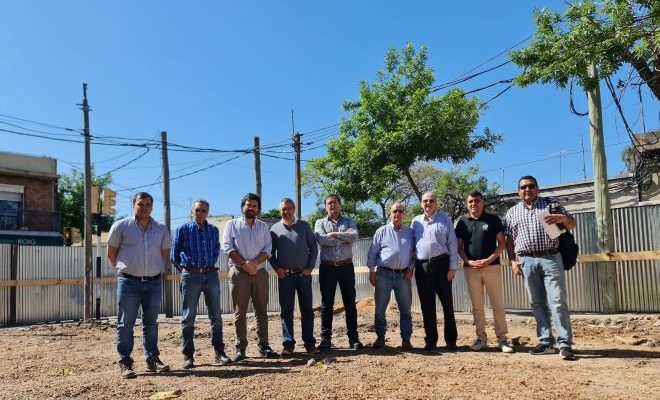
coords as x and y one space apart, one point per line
257 166
88 307
606 271
296 149
169 312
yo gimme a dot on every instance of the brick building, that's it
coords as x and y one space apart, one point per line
28 200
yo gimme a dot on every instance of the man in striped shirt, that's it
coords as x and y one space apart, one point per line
535 255
195 250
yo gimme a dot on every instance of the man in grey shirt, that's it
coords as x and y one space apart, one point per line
138 247
293 258
336 235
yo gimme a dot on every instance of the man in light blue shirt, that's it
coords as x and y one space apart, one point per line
247 243
392 251
437 260
138 247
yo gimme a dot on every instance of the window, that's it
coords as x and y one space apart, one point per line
11 205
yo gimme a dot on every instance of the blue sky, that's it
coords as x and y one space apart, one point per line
214 74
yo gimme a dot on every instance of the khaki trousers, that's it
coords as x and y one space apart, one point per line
244 287
489 278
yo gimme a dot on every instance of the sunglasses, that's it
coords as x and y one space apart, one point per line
200 210
530 186
397 211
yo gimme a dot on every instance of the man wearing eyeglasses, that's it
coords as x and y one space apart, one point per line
391 263
535 256
195 250
437 260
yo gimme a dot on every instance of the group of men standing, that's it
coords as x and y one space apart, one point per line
429 249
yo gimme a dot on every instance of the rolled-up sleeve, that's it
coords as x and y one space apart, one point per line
374 251
322 237
313 248
228 238
175 253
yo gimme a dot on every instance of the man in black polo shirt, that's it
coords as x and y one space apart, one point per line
480 244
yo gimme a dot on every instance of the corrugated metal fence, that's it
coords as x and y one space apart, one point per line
636 229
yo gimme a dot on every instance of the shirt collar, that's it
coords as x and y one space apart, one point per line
292 224
432 216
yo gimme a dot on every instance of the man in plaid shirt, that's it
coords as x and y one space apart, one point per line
535 255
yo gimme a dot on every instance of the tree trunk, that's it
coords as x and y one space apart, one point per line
413 185
652 78
383 208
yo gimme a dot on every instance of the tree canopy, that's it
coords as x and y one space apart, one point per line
396 123
607 34
71 200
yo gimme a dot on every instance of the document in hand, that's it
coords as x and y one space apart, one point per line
551 229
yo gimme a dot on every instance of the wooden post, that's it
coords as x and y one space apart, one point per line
605 233
13 275
169 298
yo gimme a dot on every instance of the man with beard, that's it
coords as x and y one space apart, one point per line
247 243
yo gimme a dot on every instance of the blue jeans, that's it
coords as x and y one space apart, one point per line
132 294
288 287
192 286
386 281
546 285
329 277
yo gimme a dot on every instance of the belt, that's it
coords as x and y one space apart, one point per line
139 278
398 271
436 258
341 263
200 270
539 253
293 271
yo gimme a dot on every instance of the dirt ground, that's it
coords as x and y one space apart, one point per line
618 357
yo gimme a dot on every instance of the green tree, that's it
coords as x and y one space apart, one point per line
71 200
396 123
272 214
453 187
607 34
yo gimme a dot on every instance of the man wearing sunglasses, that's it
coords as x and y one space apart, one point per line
391 263
535 256
437 260
195 250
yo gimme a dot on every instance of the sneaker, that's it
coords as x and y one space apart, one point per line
325 345
221 358
267 352
406 345
505 347
156 365
311 349
240 355
478 345
287 351
541 349
358 345
188 361
566 353
127 371
379 343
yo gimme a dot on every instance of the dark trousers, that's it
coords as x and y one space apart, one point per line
329 277
431 279
288 287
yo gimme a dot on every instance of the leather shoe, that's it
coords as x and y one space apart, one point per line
221 358
430 348
451 347
325 345
379 343
188 361
406 345
267 352
357 345
240 355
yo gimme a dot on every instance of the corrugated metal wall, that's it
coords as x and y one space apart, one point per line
636 229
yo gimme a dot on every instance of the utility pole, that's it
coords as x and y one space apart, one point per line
296 149
606 270
257 166
87 296
169 312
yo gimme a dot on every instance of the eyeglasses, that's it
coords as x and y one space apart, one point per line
200 210
530 187
428 201
397 211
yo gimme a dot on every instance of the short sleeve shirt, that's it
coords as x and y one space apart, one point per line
140 249
479 235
